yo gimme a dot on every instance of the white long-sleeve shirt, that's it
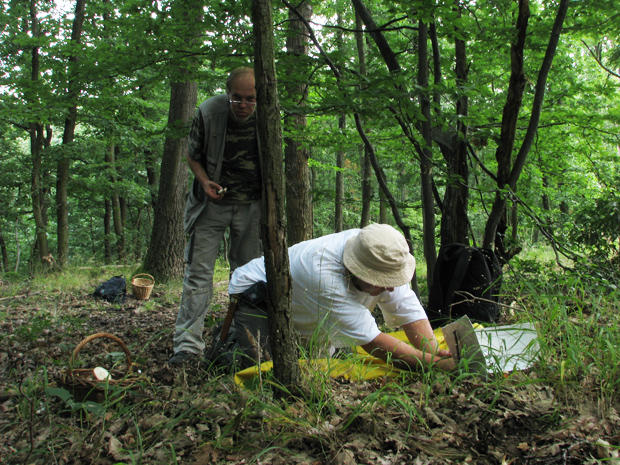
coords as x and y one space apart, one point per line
326 306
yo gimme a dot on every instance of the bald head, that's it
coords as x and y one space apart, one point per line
241 93
237 74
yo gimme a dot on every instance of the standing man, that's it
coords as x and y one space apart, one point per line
223 154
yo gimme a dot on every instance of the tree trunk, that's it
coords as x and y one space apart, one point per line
367 190
454 223
37 141
428 203
150 162
62 176
164 257
107 232
509 174
339 200
383 204
4 253
283 337
503 153
299 211
117 221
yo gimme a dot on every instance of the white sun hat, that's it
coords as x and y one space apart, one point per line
379 255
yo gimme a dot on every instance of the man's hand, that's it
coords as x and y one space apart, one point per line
213 190
400 354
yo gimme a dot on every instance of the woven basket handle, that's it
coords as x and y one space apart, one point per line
144 274
86 340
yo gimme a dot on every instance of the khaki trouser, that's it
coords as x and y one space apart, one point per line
200 256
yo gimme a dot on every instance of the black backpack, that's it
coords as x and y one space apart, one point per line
113 290
466 281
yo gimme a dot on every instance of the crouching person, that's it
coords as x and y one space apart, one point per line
337 280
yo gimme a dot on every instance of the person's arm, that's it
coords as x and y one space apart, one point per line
209 187
399 353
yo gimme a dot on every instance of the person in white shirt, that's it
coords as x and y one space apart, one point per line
338 280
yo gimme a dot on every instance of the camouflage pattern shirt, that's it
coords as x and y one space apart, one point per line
241 173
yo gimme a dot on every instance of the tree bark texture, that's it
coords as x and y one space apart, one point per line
117 221
508 174
107 231
503 153
64 164
339 203
37 138
284 340
454 222
299 211
164 257
4 254
428 203
367 190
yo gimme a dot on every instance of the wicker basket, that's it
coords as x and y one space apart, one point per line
142 285
82 383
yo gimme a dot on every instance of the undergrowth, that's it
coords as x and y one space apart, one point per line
191 415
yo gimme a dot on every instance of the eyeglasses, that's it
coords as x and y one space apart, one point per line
245 102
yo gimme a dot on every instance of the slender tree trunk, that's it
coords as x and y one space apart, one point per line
150 162
342 123
508 174
383 204
496 224
62 174
339 200
107 231
37 140
454 224
283 337
299 211
117 221
4 253
367 190
428 203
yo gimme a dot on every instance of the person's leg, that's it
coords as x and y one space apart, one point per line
200 255
245 241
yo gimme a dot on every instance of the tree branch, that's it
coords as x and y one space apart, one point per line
600 63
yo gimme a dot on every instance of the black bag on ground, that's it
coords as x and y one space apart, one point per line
222 355
231 355
466 281
114 290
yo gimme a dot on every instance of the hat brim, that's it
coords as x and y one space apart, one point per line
381 278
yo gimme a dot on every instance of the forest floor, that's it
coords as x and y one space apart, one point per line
192 416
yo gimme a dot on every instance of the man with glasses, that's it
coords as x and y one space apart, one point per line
226 194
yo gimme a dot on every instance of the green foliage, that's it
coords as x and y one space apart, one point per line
124 73
596 227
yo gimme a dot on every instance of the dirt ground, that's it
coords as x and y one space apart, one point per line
189 415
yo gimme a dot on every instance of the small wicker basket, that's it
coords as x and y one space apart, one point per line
142 285
82 383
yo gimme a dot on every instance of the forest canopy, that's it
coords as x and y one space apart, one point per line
489 123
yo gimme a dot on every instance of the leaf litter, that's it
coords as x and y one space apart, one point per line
190 415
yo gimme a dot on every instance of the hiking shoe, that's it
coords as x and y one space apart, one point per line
181 357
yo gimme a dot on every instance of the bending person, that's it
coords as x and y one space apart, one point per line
338 280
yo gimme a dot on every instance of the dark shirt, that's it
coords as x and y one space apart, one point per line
241 173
